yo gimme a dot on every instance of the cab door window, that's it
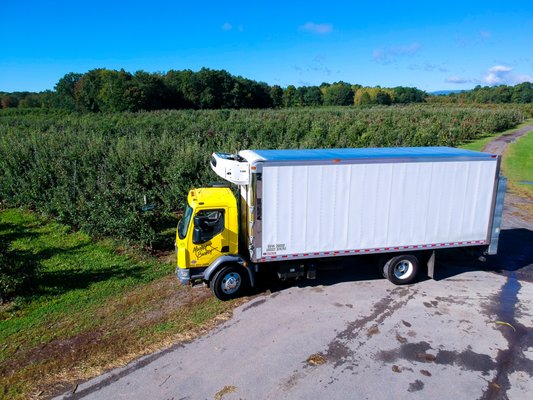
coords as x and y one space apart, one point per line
207 224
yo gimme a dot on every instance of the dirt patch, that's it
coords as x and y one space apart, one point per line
400 338
224 391
374 330
141 321
316 359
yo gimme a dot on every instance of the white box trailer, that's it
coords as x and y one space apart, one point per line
308 203
300 205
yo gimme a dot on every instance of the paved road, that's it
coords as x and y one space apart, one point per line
352 334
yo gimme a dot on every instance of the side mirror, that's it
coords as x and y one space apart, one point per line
196 234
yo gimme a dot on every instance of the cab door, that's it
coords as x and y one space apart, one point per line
210 238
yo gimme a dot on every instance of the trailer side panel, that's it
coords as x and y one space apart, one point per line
323 208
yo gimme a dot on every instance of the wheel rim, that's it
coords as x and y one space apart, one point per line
231 283
403 269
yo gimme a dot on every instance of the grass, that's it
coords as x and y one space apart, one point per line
478 144
93 306
518 168
518 163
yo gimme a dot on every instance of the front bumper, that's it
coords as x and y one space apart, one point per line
190 276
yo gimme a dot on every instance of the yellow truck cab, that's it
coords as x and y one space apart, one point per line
207 237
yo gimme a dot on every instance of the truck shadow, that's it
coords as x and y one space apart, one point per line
515 253
329 272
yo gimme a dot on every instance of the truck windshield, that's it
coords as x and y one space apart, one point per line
184 222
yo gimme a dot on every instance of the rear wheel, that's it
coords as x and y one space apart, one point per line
401 269
229 283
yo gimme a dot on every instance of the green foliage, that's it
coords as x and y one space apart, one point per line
384 96
276 94
518 165
17 271
9 101
103 90
338 94
290 97
93 171
518 94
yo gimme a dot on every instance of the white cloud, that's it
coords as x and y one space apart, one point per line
387 55
320 29
457 79
485 34
227 26
496 75
504 75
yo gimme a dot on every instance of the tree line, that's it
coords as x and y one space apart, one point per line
104 90
503 94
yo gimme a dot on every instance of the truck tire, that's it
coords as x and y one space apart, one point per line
229 283
401 269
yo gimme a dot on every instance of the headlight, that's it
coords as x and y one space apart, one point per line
184 275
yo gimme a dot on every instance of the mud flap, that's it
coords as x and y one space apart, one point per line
431 265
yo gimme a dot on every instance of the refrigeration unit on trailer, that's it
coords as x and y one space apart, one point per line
296 207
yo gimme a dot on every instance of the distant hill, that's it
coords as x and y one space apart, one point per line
445 92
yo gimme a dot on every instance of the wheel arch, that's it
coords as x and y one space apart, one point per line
221 261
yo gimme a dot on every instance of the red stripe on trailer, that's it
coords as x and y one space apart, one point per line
373 250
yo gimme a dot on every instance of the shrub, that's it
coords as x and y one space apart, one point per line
94 171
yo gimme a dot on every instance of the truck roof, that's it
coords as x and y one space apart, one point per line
389 153
215 196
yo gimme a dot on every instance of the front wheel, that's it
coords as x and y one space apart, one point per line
229 283
401 269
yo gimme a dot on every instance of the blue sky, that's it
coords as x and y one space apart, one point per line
428 44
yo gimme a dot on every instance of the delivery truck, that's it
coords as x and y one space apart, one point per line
289 209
